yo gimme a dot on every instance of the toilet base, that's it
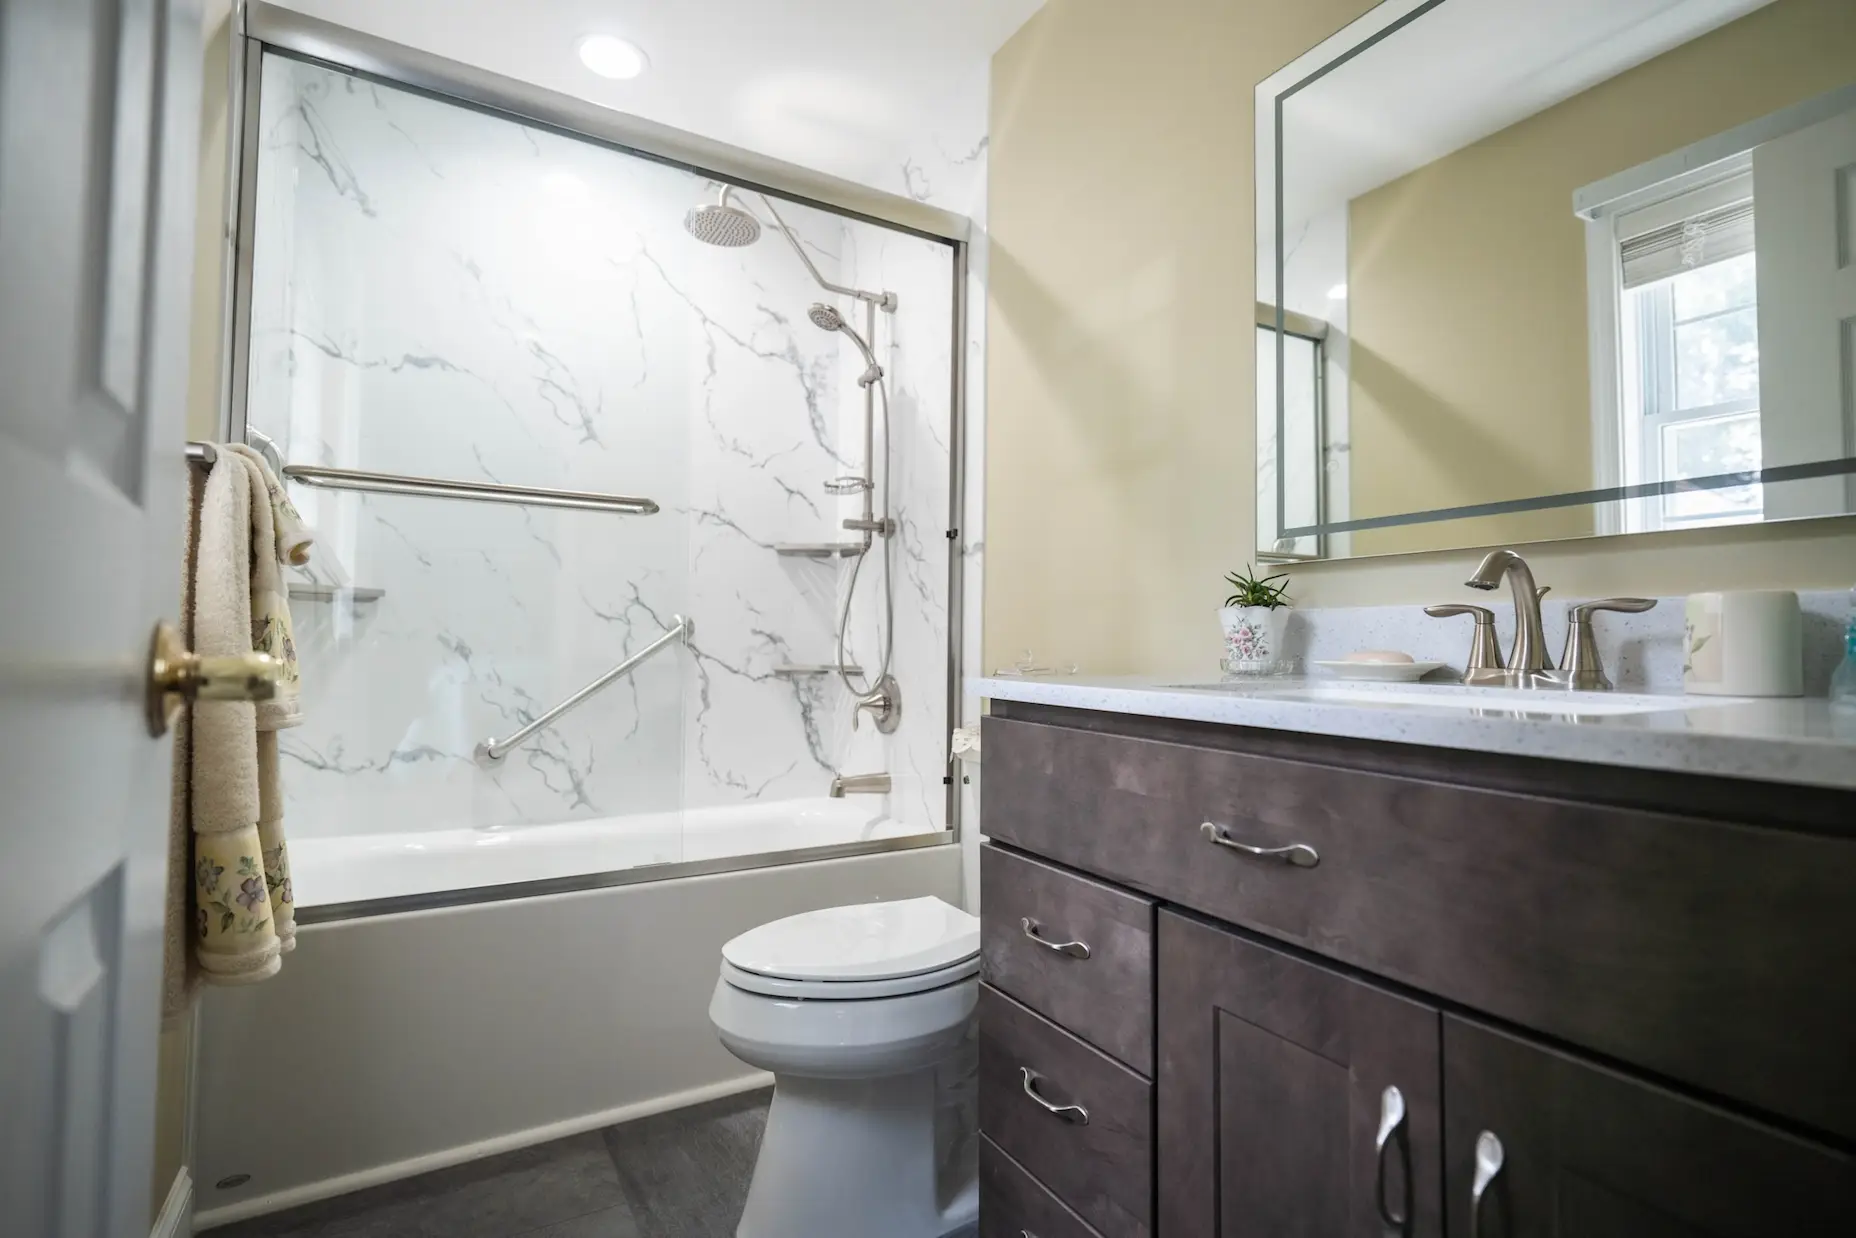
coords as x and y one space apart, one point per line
852 1158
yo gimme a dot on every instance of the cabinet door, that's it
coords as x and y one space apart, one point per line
1272 1085
1569 1150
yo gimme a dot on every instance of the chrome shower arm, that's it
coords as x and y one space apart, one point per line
885 301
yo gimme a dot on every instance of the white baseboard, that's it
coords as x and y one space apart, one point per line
176 1219
379 1174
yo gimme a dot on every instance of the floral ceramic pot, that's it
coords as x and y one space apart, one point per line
1253 638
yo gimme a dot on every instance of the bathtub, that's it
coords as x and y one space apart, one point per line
401 1037
334 877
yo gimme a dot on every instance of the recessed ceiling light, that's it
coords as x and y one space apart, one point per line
610 56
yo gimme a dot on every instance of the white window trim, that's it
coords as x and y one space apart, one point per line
1616 428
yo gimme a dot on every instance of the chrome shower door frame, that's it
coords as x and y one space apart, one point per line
267 28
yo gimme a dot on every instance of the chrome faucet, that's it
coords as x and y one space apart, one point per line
1528 656
859 784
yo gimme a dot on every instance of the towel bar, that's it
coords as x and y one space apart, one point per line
442 488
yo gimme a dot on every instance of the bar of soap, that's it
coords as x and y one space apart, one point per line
1379 655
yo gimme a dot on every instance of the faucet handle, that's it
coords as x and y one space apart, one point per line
1444 610
1580 666
1582 612
1484 654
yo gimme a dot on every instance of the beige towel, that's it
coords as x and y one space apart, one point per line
272 633
294 538
244 912
271 629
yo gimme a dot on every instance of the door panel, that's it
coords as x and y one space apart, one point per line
1272 1074
1588 1152
99 113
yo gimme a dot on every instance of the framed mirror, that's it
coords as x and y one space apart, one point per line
1538 269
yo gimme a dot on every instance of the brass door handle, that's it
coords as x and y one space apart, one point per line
176 675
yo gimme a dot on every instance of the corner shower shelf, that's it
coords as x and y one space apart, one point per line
305 591
818 550
796 670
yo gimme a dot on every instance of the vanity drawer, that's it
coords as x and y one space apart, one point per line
1719 954
1101 1168
1100 985
1013 1203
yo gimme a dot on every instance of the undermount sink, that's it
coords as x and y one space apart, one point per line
1548 701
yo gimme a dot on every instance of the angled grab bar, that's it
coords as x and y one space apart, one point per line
491 751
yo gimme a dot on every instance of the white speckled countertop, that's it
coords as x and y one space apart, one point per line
1799 741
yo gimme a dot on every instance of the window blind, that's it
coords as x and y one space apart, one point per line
1698 240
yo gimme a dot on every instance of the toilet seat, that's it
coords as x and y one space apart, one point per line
861 942
849 990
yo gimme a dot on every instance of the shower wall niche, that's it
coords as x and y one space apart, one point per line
445 292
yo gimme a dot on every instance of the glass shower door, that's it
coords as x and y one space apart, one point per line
435 292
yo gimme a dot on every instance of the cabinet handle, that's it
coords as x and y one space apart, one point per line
1299 854
1392 1125
1069 1113
1489 1161
1074 949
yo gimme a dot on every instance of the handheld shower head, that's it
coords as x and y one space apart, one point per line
825 318
722 223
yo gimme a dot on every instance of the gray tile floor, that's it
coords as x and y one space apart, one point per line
676 1175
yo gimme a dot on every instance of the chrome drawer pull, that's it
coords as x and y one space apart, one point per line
1074 949
1299 854
1069 1113
1489 1160
1391 1125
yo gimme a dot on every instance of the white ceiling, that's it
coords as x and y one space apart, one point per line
849 87
1462 71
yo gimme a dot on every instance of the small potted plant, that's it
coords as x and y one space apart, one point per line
1254 617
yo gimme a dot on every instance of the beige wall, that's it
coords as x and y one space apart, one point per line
1120 370
1466 279
174 1085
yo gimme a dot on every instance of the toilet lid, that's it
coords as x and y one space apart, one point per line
868 941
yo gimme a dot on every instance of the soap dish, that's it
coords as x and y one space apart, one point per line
1380 672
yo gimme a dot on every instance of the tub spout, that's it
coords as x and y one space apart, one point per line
859 784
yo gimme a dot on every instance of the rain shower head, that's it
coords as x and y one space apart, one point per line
722 223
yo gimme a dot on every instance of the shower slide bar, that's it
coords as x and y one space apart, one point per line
492 751
441 488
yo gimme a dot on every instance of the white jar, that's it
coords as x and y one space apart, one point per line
1253 638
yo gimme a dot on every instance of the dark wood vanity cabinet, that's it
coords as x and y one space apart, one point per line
1334 969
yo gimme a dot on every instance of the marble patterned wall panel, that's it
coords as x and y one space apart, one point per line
445 293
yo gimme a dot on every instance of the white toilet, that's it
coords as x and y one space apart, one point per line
865 1017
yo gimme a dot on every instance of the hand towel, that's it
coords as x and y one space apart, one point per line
272 632
235 938
271 629
294 537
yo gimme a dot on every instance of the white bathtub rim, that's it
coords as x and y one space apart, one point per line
587 883
379 1175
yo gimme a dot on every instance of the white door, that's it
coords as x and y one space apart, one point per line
1804 202
99 112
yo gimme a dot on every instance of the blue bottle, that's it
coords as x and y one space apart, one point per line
1843 683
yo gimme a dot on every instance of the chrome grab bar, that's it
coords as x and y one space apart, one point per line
493 750
437 487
